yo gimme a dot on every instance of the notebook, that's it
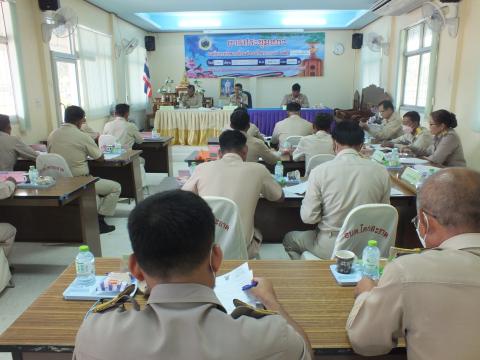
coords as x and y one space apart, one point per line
347 279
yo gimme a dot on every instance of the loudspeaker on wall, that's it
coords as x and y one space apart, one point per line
357 40
45 5
150 43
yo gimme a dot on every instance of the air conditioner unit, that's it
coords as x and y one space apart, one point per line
395 7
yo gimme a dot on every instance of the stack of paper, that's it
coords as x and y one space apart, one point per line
229 287
295 191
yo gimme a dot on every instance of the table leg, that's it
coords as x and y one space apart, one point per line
137 179
89 220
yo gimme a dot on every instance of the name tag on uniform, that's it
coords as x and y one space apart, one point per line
411 176
378 156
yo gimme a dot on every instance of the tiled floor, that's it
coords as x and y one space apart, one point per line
37 265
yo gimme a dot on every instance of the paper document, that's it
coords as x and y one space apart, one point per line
229 287
396 192
299 189
413 161
110 156
426 168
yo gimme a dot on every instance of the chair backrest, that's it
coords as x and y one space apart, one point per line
5 274
228 228
317 160
53 165
249 98
106 140
293 140
368 222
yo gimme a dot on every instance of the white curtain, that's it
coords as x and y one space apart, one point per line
96 71
370 67
135 62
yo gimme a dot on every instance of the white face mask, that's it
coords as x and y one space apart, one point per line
423 239
211 267
407 129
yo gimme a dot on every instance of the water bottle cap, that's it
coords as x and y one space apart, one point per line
83 248
32 167
279 162
372 242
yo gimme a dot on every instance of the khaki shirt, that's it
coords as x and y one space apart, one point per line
257 149
336 187
294 125
239 100
74 146
390 129
301 99
447 149
6 189
430 298
239 181
186 322
89 131
319 143
418 142
192 102
11 148
126 133
252 131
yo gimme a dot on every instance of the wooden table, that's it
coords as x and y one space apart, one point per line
306 289
124 169
157 153
63 213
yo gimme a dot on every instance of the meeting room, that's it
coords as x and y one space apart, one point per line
239 180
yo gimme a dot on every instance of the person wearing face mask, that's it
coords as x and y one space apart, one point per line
172 235
334 188
416 139
431 298
447 148
391 127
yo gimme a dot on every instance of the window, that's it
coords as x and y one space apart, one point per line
95 57
135 63
371 68
418 65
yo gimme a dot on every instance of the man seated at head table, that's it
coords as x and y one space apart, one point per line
191 100
430 299
391 127
172 235
334 188
293 125
240 120
75 147
415 140
11 147
7 231
296 96
447 148
238 98
320 142
240 181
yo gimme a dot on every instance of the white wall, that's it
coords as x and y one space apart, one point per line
334 89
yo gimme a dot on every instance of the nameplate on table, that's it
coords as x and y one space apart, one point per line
229 107
411 176
378 156
167 107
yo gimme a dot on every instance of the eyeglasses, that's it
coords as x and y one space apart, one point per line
415 220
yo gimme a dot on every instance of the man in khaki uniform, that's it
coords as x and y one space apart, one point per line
7 231
240 120
430 299
294 125
191 100
334 188
75 147
238 98
172 235
416 139
125 132
320 142
12 147
237 180
391 127
296 97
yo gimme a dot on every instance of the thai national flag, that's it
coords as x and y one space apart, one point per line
147 86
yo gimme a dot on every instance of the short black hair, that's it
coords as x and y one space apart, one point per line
413 116
294 107
122 109
387 104
191 87
4 122
232 140
239 120
296 87
446 117
323 121
73 114
238 85
348 133
171 232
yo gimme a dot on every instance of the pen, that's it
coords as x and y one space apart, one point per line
249 286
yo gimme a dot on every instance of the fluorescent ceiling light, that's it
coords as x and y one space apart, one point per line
303 21
199 23
251 31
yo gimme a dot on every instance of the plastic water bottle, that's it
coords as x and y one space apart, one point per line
394 158
33 175
192 168
278 171
371 260
154 133
85 267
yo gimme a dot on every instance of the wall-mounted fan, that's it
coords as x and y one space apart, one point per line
126 47
437 16
377 43
62 23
